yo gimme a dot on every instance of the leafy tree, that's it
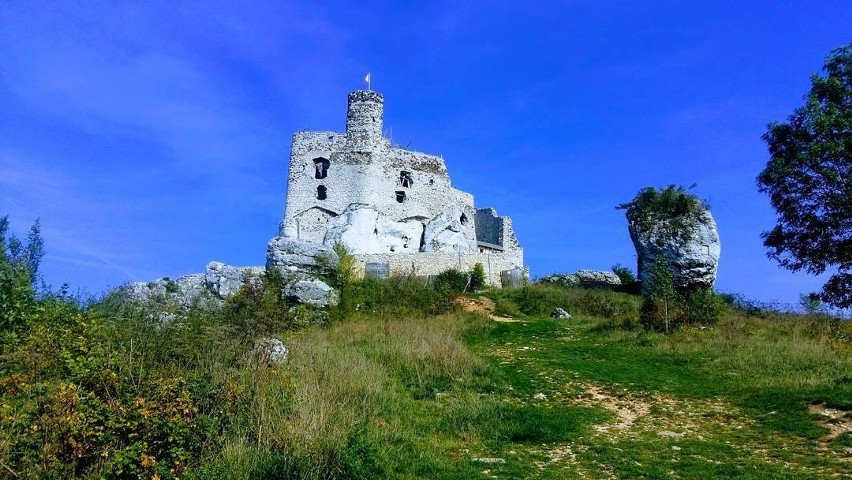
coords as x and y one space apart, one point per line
811 303
18 266
660 301
809 181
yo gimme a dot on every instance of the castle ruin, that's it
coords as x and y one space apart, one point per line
394 209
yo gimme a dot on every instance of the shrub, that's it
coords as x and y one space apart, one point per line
671 208
811 303
704 307
664 308
344 272
477 277
660 302
624 274
19 264
541 299
398 296
259 307
451 282
109 398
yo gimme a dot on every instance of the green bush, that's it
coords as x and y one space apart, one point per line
671 208
451 282
477 277
19 264
624 274
260 307
117 397
704 307
397 295
17 299
664 308
540 299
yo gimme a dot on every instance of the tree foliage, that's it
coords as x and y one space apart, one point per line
809 181
19 264
661 301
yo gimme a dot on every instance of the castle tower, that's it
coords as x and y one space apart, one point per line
364 118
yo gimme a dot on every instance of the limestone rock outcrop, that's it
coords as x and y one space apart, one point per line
692 248
292 255
226 280
313 292
596 278
168 297
584 278
444 233
364 230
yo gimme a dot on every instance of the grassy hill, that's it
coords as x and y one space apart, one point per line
405 384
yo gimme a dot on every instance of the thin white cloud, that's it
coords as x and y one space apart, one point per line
75 227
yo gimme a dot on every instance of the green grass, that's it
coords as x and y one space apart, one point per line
761 373
393 392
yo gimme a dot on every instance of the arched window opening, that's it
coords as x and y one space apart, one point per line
320 167
463 219
321 192
405 179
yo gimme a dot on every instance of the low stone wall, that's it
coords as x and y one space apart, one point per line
433 263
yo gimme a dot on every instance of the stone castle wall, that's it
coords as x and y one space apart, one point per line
433 263
333 173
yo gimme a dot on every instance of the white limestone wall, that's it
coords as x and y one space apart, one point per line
366 177
433 263
363 168
364 118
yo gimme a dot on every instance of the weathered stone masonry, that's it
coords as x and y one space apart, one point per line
387 204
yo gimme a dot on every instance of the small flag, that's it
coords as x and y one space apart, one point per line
367 80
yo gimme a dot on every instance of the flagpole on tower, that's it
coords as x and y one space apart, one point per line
367 79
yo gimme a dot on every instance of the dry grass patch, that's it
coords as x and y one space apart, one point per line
347 379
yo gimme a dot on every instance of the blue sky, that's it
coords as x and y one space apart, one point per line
152 137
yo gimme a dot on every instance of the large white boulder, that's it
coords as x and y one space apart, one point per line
692 252
313 292
226 280
269 352
444 234
291 255
584 278
165 297
363 230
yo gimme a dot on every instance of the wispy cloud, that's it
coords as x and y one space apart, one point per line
77 229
